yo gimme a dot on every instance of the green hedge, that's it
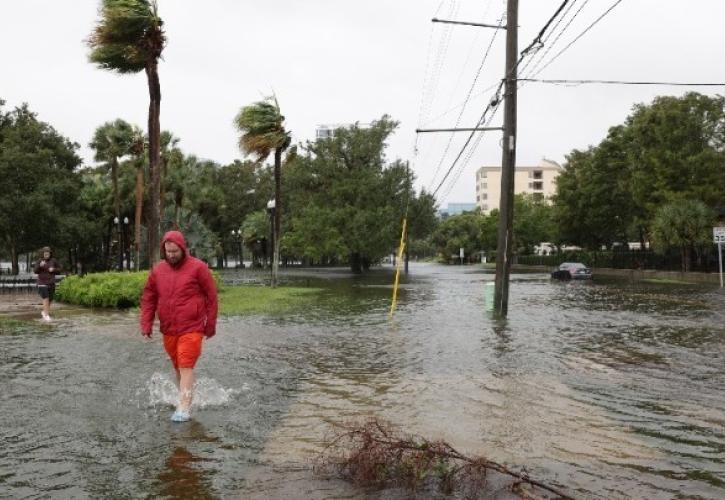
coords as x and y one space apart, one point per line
111 289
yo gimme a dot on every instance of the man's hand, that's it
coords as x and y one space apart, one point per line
42 263
209 333
146 334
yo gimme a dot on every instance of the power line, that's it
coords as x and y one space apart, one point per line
481 120
551 33
620 82
469 155
460 104
579 36
496 99
537 40
465 102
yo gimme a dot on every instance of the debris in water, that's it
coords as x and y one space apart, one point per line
373 453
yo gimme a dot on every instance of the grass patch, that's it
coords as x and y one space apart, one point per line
123 290
241 300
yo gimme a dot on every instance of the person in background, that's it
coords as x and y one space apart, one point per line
182 290
46 269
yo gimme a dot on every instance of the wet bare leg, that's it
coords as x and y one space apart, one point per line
46 307
186 386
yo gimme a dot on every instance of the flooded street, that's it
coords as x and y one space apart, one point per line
608 389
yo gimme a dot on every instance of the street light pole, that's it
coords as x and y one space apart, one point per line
117 222
126 251
271 208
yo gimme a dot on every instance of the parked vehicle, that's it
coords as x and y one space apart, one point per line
572 271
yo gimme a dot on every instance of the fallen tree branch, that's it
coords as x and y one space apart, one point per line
373 453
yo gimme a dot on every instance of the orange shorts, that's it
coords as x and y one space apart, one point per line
183 349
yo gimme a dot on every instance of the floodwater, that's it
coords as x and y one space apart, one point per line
608 389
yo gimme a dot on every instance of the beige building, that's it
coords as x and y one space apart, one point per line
538 180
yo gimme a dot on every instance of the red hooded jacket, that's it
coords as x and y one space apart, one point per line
184 295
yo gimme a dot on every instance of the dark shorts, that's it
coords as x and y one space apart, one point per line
46 291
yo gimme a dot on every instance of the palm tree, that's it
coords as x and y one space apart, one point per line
129 38
138 148
170 154
262 131
111 141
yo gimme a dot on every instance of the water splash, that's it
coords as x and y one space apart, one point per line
161 390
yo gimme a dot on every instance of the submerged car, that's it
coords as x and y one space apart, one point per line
572 271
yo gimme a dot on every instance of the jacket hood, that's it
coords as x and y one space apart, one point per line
175 237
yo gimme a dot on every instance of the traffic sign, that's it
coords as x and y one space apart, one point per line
718 234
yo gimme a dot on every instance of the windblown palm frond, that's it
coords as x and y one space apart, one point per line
112 140
262 128
128 34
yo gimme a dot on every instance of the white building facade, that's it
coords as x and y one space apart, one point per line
538 180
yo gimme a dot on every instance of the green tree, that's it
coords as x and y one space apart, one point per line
262 132
129 38
533 223
683 224
40 183
170 157
456 232
669 150
111 141
345 198
677 150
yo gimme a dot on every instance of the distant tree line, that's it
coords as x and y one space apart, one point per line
343 201
657 179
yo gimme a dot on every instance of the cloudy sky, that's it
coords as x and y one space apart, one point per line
339 61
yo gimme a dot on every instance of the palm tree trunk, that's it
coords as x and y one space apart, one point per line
162 190
114 185
14 261
277 213
154 125
139 209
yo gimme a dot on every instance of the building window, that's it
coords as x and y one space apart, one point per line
485 185
538 196
478 198
485 207
538 174
485 196
538 186
483 174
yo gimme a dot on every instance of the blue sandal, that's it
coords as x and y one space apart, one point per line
180 416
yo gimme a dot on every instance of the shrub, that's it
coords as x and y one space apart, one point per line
112 289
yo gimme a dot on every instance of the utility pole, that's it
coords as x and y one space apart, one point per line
407 201
508 165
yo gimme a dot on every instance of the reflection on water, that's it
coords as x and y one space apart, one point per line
185 475
609 389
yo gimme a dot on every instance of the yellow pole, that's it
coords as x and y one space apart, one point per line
397 268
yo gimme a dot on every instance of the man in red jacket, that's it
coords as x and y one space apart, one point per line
181 289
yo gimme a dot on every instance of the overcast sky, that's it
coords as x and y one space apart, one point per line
339 61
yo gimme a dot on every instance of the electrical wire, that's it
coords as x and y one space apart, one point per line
545 41
465 102
558 37
619 82
578 36
537 40
495 102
